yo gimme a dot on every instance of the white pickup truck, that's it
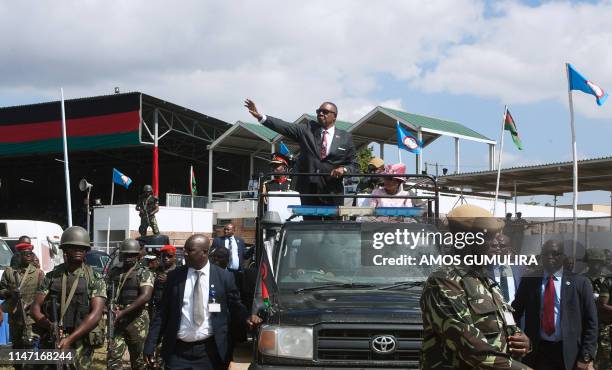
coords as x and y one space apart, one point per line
45 238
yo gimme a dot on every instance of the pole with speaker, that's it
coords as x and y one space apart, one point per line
85 186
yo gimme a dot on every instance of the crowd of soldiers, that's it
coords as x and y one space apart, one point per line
74 308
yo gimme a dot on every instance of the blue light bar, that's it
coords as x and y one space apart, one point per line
322 211
398 211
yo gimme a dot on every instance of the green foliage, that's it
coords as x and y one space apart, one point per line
363 158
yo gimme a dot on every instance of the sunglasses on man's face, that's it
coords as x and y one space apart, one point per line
324 112
552 254
27 254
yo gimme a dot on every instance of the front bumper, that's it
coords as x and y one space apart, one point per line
282 367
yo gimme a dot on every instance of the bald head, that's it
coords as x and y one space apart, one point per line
552 255
196 251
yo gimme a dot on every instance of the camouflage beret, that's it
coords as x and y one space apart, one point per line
595 254
472 218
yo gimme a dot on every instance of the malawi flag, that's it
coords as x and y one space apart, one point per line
192 183
268 284
510 125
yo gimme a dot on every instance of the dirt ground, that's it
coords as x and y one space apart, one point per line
242 358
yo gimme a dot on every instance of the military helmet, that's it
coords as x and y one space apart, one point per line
75 235
129 246
595 254
147 188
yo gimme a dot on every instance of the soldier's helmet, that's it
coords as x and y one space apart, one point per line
595 254
147 189
75 235
129 246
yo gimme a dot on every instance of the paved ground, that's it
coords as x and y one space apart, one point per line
242 356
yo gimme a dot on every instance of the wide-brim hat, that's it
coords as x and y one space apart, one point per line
472 218
376 162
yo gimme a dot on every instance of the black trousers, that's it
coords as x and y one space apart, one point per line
201 355
549 356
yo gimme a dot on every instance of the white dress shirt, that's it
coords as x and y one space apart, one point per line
188 332
509 280
558 276
330 137
232 246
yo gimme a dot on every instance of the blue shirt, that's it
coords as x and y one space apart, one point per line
557 279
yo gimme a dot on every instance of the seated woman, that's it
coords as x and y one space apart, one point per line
392 188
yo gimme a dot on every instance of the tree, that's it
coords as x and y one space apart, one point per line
363 158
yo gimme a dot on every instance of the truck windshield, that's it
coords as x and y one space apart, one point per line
5 254
312 255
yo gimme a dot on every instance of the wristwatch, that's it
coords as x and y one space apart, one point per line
586 358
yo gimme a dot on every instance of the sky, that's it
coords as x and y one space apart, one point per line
458 60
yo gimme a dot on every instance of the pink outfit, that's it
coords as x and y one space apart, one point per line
389 202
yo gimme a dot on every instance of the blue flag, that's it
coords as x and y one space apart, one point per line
579 82
406 140
282 149
121 179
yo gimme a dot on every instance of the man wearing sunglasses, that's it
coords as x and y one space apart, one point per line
560 314
18 287
324 149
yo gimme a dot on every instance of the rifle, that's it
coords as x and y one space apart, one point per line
57 331
111 324
24 334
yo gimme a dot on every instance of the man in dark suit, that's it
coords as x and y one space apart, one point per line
235 246
324 149
198 304
560 314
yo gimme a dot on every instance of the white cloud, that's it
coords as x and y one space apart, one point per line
518 56
209 55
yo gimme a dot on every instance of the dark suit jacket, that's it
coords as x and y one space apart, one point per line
578 315
167 320
220 242
341 153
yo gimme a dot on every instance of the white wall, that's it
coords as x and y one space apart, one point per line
124 218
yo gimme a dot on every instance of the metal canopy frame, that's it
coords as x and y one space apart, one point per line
379 126
547 179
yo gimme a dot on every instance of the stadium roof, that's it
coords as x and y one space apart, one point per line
379 125
545 179
102 122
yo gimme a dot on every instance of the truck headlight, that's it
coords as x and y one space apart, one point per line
286 341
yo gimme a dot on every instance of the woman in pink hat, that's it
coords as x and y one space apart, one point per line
392 187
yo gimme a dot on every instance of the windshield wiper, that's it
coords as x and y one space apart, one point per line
403 285
331 286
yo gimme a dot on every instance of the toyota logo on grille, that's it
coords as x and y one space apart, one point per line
384 344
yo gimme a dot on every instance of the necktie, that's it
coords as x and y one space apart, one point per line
548 314
198 300
324 145
503 283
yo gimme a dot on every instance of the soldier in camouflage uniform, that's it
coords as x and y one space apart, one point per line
147 207
85 294
466 323
133 289
602 285
26 279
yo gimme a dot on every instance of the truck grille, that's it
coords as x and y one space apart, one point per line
353 343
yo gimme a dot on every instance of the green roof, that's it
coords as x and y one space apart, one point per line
342 125
434 123
260 130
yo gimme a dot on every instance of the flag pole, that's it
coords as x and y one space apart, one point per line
575 165
499 158
191 188
66 168
399 150
112 192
